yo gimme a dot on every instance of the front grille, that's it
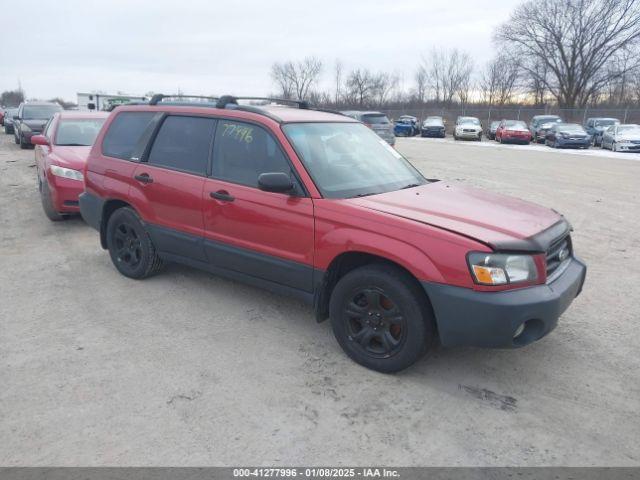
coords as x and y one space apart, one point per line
558 254
467 130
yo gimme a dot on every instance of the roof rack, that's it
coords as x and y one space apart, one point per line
158 97
225 100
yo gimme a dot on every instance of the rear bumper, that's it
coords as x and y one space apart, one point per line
432 133
490 319
91 209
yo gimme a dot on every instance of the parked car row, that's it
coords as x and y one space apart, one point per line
315 205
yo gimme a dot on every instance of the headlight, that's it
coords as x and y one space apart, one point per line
66 173
502 268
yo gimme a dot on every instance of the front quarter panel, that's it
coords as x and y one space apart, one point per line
428 253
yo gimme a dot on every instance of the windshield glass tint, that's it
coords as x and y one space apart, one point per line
548 119
469 120
375 119
78 132
348 160
433 121
515 124
39 112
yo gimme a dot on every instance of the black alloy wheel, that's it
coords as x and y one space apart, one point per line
375 323
130 247
381 317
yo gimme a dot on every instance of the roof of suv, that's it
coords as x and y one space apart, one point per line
302 112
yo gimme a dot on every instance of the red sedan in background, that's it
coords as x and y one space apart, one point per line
61 152
513 131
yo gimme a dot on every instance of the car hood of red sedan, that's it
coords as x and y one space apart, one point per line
70 157
497 220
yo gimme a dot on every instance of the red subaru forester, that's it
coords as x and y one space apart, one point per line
315 204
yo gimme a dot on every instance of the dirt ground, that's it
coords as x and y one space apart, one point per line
189 369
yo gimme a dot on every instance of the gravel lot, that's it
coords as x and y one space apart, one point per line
189 369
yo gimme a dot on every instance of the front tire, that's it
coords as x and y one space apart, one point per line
381 319
130 247
23 144
47 204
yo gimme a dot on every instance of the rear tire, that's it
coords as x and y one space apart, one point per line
130 246
381 319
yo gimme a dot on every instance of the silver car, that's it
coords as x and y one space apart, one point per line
622 138
8 119
376 121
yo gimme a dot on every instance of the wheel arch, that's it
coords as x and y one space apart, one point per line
347 262
108 208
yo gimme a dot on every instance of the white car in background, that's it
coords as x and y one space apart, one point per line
468 128
622 138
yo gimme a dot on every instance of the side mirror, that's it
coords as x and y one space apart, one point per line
278 182
39 140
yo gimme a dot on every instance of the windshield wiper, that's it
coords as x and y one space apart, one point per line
363 194
411 185
72 145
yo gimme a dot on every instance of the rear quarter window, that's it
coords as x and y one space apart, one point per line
125 131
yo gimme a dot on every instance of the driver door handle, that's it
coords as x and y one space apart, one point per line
144 178
222 195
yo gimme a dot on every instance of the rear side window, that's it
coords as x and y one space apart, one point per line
183 143
243 151
124 134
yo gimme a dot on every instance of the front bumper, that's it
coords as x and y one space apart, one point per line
472 134
65 193
516 138
431 132
580 143
628 147
490 319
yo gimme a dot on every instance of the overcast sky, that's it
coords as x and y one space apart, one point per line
58 48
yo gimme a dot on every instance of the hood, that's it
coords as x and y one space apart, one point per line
36 124
70 157
499 221
628 136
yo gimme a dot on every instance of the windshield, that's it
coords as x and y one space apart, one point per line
78 132
469 120
515 124
433 121
40 112
606 123
348 160
548 119
570 127
375 119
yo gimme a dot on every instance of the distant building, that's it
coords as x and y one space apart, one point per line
104 101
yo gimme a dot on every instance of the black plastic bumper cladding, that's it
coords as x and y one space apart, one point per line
91 209
489 319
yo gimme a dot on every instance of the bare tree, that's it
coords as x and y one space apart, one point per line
12 98
574 40
384 84
449 73
295 79
338 81
361 87
421 79
498 80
